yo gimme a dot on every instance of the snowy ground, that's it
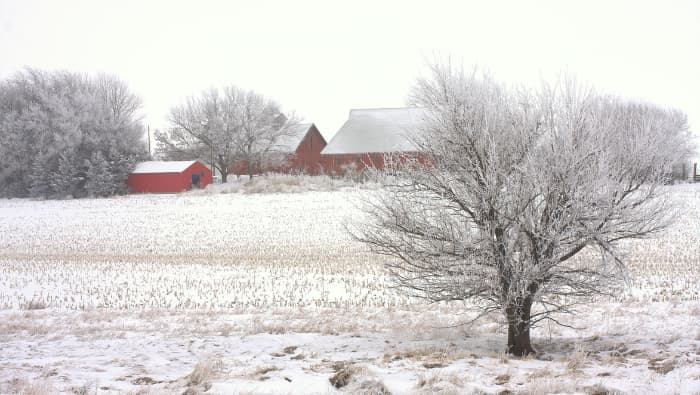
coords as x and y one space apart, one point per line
265 293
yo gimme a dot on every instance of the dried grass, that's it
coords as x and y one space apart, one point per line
35 304
206 369
344 372
150 391
578 359
356 379
662 365
22 386
431 357
441 383
540 373
502 379
368 386
282 183
552 386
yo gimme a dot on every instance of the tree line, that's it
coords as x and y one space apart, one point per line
66 134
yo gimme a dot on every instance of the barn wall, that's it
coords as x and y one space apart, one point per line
306 159
340 164
158 183
240 168
168 182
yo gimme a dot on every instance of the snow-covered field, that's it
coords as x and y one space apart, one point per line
266 293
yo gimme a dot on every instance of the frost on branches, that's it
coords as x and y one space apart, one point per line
54 124
527 196
224 126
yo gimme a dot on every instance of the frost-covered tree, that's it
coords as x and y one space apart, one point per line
44 114
40 178
99 180
222 127
68 179
526 197
120 165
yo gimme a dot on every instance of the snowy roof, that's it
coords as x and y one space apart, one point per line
162 167
377 130
290 141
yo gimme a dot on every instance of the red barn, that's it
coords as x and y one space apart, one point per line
168 177
370 134
300 152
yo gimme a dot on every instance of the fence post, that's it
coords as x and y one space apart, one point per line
683 177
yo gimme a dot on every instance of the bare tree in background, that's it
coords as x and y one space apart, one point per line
225 127
527 197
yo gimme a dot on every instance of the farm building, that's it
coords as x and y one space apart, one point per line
368 135
168 177
300 152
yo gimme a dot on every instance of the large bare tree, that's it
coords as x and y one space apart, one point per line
527 197
223 127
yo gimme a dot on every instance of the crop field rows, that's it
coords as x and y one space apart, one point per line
267 293
209 252
223 251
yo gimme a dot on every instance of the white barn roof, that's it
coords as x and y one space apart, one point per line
154 167
377 130
290 141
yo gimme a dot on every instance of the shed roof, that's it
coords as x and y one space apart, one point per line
377 130
155 167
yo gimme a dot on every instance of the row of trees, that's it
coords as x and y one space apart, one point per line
67 134
528 196
228 126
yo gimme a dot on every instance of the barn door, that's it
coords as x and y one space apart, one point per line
195 180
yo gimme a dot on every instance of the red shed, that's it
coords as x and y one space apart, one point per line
301 151
168 177
369 135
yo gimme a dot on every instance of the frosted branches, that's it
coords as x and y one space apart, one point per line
51 124
526 197
225 126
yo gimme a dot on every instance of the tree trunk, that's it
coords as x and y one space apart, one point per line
519 329
223 169
250 171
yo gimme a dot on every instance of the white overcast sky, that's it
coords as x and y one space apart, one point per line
322 58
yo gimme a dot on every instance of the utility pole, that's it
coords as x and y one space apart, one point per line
149 140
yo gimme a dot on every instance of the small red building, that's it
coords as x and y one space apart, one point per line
168 177
300 152
372 135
